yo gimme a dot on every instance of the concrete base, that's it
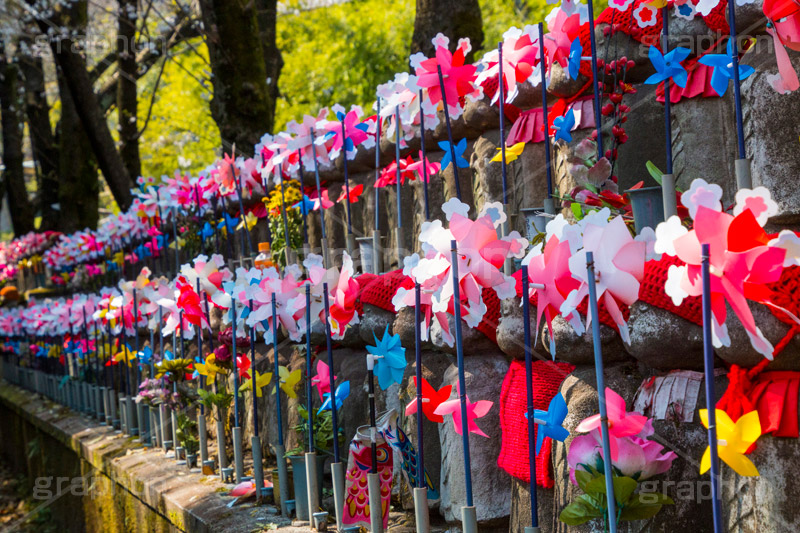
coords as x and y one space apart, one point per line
203 434
283 479
421 512
375 504
469 520
744 179
311 483
258 465
337 474
238 458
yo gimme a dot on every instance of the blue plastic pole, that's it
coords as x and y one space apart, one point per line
418 358
346 177
254 391
449 136
309 399
397 165
235 369
378 166
319 186
601 388
737 89
598 116
501 104
526 319
334 417
667 85
708 360
424 159
545 113
277 369
462 385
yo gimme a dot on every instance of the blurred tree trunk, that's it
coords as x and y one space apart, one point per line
43 145
67 53
267 18
126 87
243 106
454 18
11 123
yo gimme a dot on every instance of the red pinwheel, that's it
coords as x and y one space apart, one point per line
431 400
355 192
389 173
189 303
564 29
474 410
457 77
519 57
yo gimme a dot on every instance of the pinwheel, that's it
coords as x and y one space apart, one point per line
424 168
431 400
619 268
519 57
209 369
474 410
668 66
355 192
389 173
343 299
552 281
620 422
575 58
723 69
456 76
311 147
459 151
145 355
734 440
350 126
512 153
322 380
563 125
250 220
262 380
125 354
551 422
563 28
387 358
306 203
288 381
243 366
342 392
325 203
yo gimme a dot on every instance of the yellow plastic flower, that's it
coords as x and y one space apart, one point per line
125 355
733 440
250 219
209 369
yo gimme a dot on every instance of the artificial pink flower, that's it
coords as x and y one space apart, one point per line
620 422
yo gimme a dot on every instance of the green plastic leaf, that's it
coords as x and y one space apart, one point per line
654 171
623 487
576 210
644 506
591 187
584 478
583 509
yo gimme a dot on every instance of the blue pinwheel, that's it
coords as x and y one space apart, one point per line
145 355
231 222
342 392
306 205
723 69
459 149
387 358
142 251
668 66
206 231
563 126
575 58
550 421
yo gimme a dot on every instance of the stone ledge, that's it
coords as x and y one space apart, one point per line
188 501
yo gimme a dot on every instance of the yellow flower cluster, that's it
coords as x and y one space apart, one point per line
292 195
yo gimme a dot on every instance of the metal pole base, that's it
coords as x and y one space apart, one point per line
155 435
326 253
163 421
132 425
258 465
421 510
311 483
469 519
201 431
99 403
123 414
222 458
744 180
531 529
375 504
174 424
350 241
144 434
668 194
549 206
377 252
107 405
337 474
283 478
237 454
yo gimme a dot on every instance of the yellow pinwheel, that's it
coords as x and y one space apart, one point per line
209 369
288 381
125 354
262 380
733 440
250 219
512 153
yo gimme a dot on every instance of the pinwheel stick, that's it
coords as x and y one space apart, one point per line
468 515
255 441
223 459
508 266
373 480
549 205
324 240
337 469
598 116
238 181
424 158
708 360
311 456
351 241
449 134
277 369
399 228
601 387
421 490
668 179
743 178
303 207
287 249
526 324
377 252
237 429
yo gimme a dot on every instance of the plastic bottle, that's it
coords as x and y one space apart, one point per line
264 258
